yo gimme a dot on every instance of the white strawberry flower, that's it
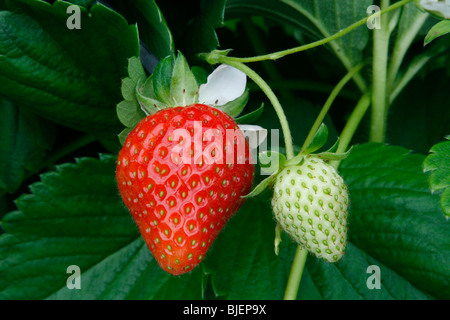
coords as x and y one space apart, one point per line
224 85
439 8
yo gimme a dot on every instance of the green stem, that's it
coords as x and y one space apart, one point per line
273 99
295 276
401 46
379 80
326 107
353 123
351 126
283 53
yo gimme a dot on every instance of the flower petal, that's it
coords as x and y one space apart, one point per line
224 84
440 9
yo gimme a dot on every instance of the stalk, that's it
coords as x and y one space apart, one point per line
298 265
343 32
379 80
326 107
273 99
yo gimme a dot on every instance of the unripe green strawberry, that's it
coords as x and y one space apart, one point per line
310 202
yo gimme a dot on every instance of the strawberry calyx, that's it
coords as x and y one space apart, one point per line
272 162
174 84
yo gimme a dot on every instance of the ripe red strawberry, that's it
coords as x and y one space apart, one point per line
180 206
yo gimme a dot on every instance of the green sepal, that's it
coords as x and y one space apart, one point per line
271 161
263 185
147 88
149 105
172 84
162 78
439 29
129 110
335 146
235 107
136 74
183 85
251 116
136 71
127 88
319 140
124 134
129 113
295 161
331 155
214 56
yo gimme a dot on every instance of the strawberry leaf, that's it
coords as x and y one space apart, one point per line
76 74
24 140
242 256
153 29
75 216
417 126
438 163
201 35
83 3
395 218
